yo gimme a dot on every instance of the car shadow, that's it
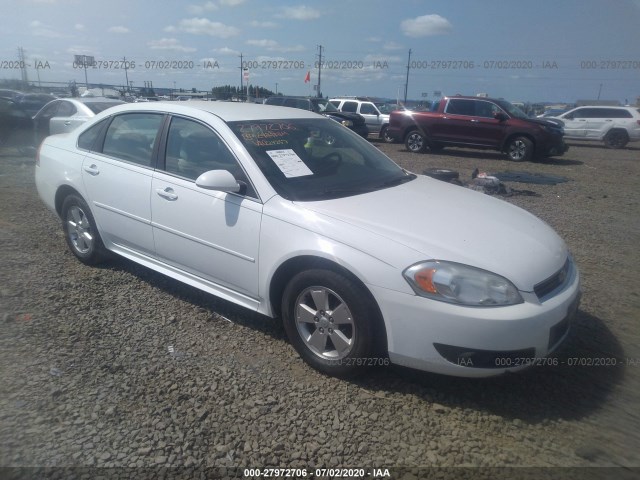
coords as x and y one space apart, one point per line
546 392
543 393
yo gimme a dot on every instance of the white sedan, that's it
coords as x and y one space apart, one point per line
64 114
290 214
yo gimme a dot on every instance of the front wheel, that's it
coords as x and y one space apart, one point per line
520 149
415 141
80 231
330 322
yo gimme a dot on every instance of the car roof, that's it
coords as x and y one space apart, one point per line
227 111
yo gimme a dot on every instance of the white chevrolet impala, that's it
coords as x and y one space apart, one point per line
290 214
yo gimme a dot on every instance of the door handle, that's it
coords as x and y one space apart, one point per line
167 193
67 123
92 169
474 120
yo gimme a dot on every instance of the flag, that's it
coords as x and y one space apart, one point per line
307 79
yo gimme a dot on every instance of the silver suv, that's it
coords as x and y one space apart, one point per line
376 115
615 126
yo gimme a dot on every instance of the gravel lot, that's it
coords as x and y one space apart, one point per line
120 366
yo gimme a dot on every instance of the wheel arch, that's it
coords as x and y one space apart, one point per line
63 192
511 136
292 266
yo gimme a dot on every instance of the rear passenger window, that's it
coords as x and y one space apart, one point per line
368 109
616 113
131 137
461 107
351 107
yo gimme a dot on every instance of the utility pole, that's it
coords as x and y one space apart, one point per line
319 70
406 85
241 75
126 76
23 67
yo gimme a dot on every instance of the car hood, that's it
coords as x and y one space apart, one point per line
436 220
545 121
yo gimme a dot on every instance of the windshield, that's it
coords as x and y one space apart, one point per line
323 105
316 159
511 109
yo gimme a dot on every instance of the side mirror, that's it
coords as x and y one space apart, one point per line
500 116
220 180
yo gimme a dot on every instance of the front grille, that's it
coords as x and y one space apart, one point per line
554 282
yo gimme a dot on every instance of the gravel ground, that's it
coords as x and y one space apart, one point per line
121 366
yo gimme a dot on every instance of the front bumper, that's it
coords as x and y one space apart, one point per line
475 342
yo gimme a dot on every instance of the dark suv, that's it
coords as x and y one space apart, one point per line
475 122
319 105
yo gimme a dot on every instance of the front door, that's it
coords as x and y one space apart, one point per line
210 234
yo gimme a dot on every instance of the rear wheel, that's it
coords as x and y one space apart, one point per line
616 139
80 231
520 149
330 322
415 141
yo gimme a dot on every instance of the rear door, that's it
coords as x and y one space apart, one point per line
117 178
601 120
64 120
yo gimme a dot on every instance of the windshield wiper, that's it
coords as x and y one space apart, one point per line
397 181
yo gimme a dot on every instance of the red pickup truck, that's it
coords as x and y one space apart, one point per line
475 122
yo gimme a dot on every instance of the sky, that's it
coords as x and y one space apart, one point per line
521 50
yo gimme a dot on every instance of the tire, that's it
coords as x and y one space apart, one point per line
80 231
442 174
415 141
519 149
616 139
335 346
384 134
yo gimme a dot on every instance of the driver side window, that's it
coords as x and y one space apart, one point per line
193 149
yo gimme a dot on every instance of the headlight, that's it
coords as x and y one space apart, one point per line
347 123
461 284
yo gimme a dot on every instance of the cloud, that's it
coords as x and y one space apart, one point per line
425 26
391 46
256 24
273 46
299 13
204 26
169 44
118 29
79 26
225 51
39 29
200 9
231 3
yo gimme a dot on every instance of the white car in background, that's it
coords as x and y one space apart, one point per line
64 114
376 116
290 214
615 126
